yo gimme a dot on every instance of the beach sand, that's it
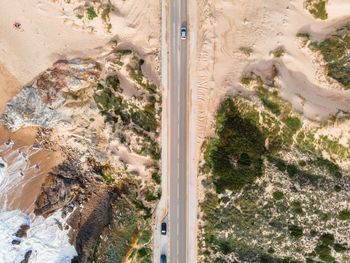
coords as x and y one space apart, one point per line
50 30
9 86
22 191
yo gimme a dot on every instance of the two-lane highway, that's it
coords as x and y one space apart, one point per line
178 147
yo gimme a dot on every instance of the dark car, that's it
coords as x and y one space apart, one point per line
163 228
163 258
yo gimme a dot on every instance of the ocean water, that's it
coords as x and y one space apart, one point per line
46 238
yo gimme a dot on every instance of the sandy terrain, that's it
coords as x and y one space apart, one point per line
261 27
34 164
9 86
34 35
231 39
50 30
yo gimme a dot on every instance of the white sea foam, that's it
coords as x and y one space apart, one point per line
14 164
46 237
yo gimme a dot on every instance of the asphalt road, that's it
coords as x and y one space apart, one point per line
177 252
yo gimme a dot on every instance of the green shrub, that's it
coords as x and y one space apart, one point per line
145 119
310 260
293 123
302 176
91 13
246 51
73 95
344 215
278 195
235 157
99 86
105 13
337 188
335 51
295 231
156 177
318 8
324 253
152 196
340 247
125 51
113 82
327 239
279 52
272 106
145 236
271 250
246 81
142 252
297 207
121 137
329 166
108 178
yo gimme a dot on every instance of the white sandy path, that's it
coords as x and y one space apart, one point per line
338 8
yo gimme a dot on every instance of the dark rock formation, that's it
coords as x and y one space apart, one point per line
88 223
22 231
67 183
27 256
16 242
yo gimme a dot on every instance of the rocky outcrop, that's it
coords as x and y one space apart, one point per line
27 256
43 102
88 223
103 116
28 109
67 76
66 184
22 231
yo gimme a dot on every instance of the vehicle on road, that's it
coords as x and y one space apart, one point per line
183 32
163 228
163 258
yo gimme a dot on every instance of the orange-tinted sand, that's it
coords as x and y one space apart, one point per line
25 194
9 86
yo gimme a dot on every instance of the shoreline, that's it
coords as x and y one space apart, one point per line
34 164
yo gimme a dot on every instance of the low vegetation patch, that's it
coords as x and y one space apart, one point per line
344 215
267 197
295 231
278 195
278 52
91 13
235 157
130 225
336 53
317 8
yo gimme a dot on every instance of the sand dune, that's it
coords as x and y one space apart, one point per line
238 37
